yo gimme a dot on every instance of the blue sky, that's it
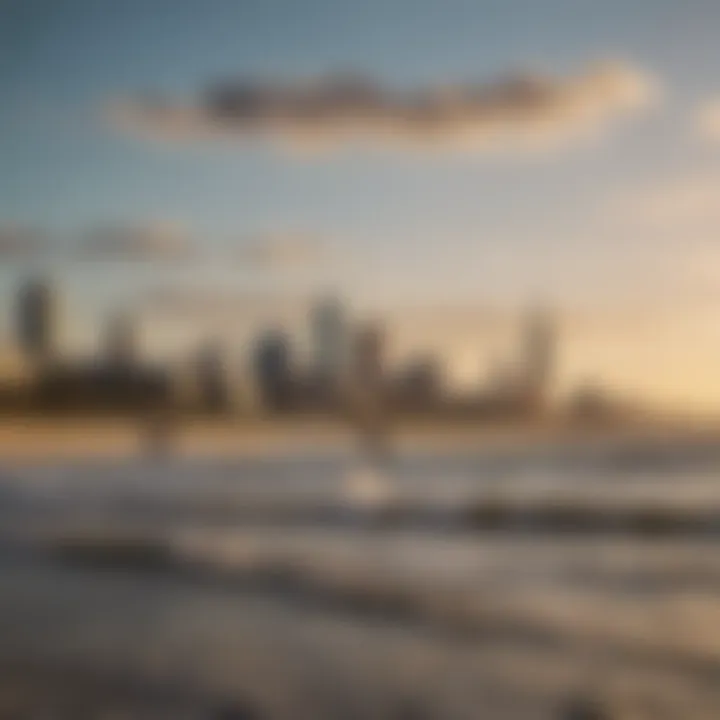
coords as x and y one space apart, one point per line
401 227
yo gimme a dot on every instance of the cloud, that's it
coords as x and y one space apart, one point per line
525 111
18 243
153 242
283 251
707 121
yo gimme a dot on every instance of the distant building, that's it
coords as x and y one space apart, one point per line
368 357
418 386
246 391
100 387
121 341
274 373
329 339
368 397
16 380
37 321
539 354
329 346
367 367
213 385
591 402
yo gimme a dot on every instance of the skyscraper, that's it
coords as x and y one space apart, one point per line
329 341
368 357
418 385
368 404
212 381
36 321
274 372
121 342
539 342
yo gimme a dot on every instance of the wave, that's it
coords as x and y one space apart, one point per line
611 626
494 514
623 488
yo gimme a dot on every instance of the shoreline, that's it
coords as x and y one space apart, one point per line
47 440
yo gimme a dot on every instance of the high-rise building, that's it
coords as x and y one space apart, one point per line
329 354
539 352
212 381
121 341
329 340
369 356
274 371
37 320
368 397
418 384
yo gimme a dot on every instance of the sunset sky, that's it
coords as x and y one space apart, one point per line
443 162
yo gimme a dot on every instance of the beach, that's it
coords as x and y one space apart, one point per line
293 581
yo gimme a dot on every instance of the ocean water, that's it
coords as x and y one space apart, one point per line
474 584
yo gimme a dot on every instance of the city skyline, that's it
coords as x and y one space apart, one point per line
337 349
345 372
128 172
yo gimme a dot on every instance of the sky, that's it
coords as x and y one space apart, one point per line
442 163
